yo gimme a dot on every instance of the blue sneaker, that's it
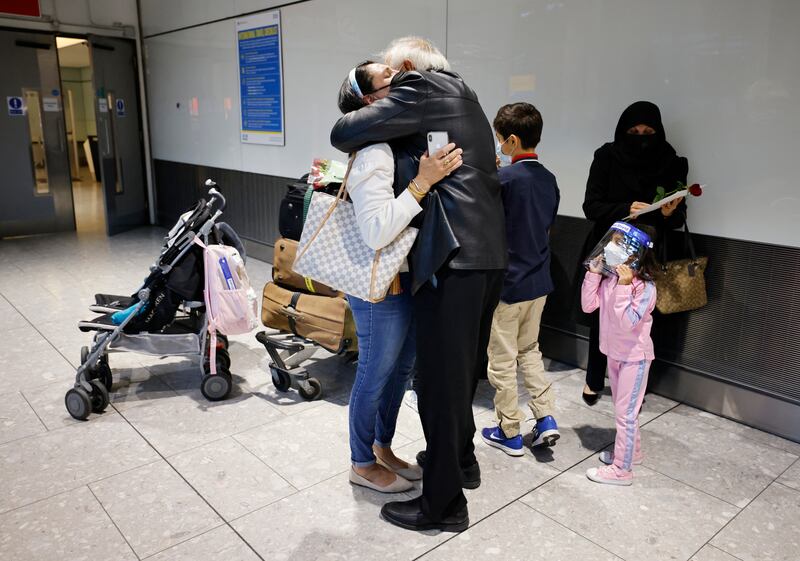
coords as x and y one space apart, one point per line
494 436
545 433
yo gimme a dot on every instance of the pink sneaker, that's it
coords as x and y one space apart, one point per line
609 475
607 457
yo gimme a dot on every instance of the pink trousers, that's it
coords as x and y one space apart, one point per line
628 381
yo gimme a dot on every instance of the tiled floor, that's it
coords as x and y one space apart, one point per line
165 475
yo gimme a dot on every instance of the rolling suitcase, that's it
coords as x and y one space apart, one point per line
322 319
282 272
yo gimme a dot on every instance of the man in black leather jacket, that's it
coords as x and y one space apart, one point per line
457 266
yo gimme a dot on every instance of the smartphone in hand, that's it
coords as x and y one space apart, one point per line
436 141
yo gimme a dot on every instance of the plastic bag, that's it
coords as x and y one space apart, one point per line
325 171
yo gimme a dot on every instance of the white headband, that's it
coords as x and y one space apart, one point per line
354 84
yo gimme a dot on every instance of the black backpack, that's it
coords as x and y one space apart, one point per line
294 206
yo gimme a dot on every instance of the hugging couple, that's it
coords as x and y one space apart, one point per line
439 313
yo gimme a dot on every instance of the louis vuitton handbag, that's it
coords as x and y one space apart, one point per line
681 286
332 251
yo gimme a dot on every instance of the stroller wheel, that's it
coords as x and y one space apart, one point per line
223 339
78 403
310 389
103 373
84 354
280 379
216 387
99 396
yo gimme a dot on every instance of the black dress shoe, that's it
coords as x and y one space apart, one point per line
470 476
590 398
409 515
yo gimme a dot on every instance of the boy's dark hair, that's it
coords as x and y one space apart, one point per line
649 267
348 99
522 119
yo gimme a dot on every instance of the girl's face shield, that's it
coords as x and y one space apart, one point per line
623 244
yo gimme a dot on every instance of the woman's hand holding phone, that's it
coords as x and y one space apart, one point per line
433 169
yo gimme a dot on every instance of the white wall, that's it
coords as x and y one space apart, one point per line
322 41
724 73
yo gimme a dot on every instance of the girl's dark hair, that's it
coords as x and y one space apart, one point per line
649 267
348 99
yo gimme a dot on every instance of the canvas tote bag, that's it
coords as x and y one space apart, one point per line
681 286
332 251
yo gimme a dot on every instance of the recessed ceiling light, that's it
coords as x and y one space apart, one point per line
62 42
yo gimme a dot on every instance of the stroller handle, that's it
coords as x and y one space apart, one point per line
215 194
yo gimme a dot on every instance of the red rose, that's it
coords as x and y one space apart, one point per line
695 190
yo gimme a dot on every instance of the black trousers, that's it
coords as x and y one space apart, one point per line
596 363
454 321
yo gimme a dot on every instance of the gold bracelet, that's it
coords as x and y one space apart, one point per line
415 190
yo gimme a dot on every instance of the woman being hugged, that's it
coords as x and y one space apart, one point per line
620 284
386 334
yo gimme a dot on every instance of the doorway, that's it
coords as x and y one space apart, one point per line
75 68
71 141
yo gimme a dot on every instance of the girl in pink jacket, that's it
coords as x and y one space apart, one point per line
626 299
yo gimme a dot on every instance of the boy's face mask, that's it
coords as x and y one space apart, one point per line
614 255
505 160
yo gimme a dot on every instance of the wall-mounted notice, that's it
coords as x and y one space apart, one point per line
260 78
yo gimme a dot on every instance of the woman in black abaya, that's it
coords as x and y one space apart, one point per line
623 178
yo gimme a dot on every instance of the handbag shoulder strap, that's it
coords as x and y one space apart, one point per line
687 242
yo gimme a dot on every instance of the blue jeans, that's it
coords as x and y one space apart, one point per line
386 353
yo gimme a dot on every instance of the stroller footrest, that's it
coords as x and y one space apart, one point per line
105 303
100 323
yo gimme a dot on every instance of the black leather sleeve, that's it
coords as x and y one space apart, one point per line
395 116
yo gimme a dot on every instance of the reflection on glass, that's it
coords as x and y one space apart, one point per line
38 156
112 146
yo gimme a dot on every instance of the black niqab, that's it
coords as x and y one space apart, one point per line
647 153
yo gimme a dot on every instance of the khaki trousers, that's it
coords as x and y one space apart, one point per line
514 344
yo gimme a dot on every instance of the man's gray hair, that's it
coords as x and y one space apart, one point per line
422 53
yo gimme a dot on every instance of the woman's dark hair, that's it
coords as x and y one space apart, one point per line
348 99
522 119
649 267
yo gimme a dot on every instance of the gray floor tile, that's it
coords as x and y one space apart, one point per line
176 424
219 544
48 403
17 419
30 361
519 533
70 526
766 530
583 432
38 467
738 428
134 387
332 521
571 387
791 477
503 479
9 317
721 463
154 508
305 448
656 518
230 478
711 553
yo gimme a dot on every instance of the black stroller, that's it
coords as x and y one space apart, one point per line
165 317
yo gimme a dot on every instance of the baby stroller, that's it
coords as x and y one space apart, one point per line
166 316
307 314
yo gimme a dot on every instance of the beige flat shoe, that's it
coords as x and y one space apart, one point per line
412 473
399 485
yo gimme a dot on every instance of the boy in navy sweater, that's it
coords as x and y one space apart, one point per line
530 198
